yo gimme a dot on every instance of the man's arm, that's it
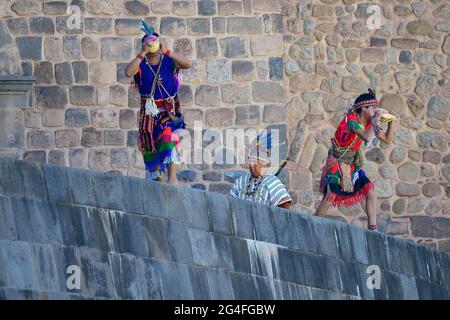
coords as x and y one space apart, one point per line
286 204
180 61
386 137
366 135
133 66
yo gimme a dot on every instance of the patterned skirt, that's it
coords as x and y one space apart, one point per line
332 176
157 140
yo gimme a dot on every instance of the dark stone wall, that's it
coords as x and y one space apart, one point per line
134 239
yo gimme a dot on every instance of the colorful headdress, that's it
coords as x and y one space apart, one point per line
366 100
148 30
261 147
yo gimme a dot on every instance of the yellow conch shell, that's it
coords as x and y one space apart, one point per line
387 117
154 46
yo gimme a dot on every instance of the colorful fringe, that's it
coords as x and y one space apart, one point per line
157 141
351 199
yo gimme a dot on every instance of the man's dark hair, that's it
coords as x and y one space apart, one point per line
370 95
154 34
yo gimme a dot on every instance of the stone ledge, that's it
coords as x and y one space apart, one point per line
15 91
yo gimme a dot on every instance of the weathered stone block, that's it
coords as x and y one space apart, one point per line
245 25
198 26
72 47
264 91
171 26
63 73
82 95
42 25
249 115
233 47
219 117
30 48
116 49
136 8
206 48
243 70
89 48
236 94
207 95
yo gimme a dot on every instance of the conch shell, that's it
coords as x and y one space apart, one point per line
387 117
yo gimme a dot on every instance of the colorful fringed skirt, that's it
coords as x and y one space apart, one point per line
157 139
332 175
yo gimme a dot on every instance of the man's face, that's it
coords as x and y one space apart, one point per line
152 43
256 166
370 112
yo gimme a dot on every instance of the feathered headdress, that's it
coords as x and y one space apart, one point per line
148 30
261 147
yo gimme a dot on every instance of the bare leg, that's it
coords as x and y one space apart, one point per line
324 205
172 173
371 203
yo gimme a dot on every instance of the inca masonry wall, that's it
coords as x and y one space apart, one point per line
134 239
294 65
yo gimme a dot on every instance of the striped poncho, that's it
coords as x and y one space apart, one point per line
268 190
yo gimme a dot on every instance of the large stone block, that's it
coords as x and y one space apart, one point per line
136 8
157 237
82 95
207 48
149 279
204 251
37 221
125 275
263 224
108 190
219 284
30 48
218 71
116 49
26 7
199 281
264 91
180 242
175 280
245 25
172 26
105 7
249 115
42 25
259 45
241 218
219 210
377 249
197 210
198 26
12 132
97 278
236 93
207 95
244 286
72 48
17 260
126 27
84 195
233 47
128 233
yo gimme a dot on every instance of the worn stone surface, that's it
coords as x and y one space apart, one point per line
299 65
130 252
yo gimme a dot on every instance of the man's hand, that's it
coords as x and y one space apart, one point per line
162 46
146 47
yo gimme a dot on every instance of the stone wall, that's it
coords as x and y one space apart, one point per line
132 241
331 55
291 65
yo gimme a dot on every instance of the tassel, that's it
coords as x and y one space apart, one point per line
150 108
